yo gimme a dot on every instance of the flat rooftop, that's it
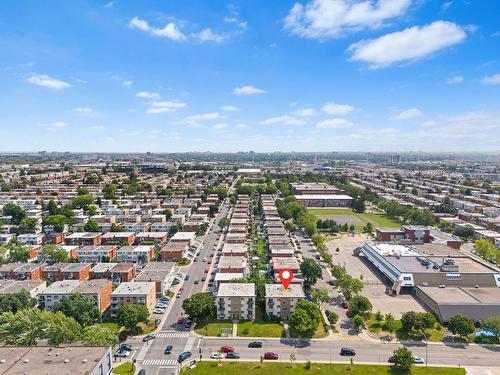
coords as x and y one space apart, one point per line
277 291
133 288
236 290
42 360
455 296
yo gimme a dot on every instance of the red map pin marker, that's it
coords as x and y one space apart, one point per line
286 277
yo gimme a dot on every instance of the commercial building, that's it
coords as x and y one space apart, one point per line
236 301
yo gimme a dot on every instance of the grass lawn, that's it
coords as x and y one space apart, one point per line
434 334
330 211
125 369
143 329
320 332
212 328
236 368
115 327
248 328
382 220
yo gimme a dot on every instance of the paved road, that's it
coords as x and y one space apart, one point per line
151 355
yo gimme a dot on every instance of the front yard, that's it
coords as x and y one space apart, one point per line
214 328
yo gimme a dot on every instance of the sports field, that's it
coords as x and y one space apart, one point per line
346 215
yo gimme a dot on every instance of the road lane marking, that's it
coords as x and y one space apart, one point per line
159 362
172 334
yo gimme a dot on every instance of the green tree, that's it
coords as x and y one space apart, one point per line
15 211
492 324
360 305
168 213
61 329
358 321
54 254
14 302
131 314
306 318
82 308
200 306
109 191
224 222
311 271
403 359
484 248
18 252
320 296
464 231
82 201
290 226
80 190
91 226
98 335
28 225
24 327
116 228
460 325
57 221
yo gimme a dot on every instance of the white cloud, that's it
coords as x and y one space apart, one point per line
410 44
446 6
148 95
247 90
305 112
333 108
241 126
230 108
491 80
470 123
109 5
203 117
165 106
207 35
454 80
46 81
333 123
219 126
170 31
407 114
84 110
323 19
97 127
283 120
127 83
56 125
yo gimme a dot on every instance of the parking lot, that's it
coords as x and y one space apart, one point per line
375 283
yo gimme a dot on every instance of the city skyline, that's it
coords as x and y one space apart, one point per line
308 75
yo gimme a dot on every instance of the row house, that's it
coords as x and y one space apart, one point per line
160 273
156 238
125 238
84 239
96 254
33 287
116 272
21 271
67 271
137 292
174 251
135 254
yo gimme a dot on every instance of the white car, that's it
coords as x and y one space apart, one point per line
159 311
419 360
204 259
216 355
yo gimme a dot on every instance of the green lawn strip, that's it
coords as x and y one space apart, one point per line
115 327
212 328
267 368
435 334
125 369
380 220
248 328
330 211
320 333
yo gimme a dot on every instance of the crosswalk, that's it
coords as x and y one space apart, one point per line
159 362
350 338
172 334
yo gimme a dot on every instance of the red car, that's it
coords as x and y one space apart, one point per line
344 305
206 270
271 355
122 337
226 349
181 290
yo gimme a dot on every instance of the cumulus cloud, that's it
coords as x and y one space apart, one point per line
333 108
220 126
84 110
203 117
410 44
491 80
46 81
127 83
148 95
305 112
247 90
333 123
165 106
323 19
207 35
467 123
230 108
407 114
170 31
56 125
283 120
455 80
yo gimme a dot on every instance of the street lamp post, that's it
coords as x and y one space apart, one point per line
426 348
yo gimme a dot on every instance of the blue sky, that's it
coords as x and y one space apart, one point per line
308 75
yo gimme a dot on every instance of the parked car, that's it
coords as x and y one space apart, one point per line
122 337
183 356
168 349
344 305
122 353
186 278
232 355
418 360
196 281
149 337
206 270
141 372
188 324
158 311
204 259
347 351
203 278
226 349
271 355
125 347
255 344
217 355
178 295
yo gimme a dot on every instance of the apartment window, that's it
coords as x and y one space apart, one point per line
453 276
407 278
